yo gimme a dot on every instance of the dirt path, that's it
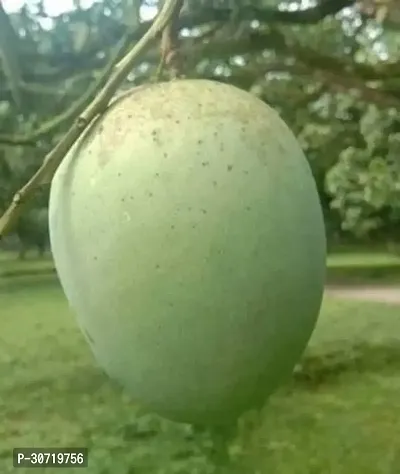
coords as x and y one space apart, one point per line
380 294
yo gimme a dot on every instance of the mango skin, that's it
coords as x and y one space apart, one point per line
188 237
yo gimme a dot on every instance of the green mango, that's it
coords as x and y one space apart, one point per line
188 237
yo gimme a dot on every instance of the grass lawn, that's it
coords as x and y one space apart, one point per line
340 414
359 267
11 266
347 267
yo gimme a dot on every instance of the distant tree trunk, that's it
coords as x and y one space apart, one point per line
393 247
22 253
41 248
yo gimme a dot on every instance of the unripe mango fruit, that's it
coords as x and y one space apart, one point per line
188 237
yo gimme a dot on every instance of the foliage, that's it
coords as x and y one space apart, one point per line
332 68
32 229
365 182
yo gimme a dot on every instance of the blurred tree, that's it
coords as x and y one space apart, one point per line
330 67
33 231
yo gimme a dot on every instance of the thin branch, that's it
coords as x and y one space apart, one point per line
99 104
188 19
74 110
343 74
170 57
332 81
218 13
40 89
13 140
9 56
192 49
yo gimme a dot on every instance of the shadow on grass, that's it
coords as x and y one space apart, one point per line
29 282
321 369
377 274
83 379
313 372
33 272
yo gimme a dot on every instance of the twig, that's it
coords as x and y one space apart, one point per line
169 46
9 56
75 109
11 140
99 104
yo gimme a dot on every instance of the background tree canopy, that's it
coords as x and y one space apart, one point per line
330 67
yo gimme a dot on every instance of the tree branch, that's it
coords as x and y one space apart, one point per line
97 107
69 114
345 72
307 16
170 56
188 19
307 62
9 53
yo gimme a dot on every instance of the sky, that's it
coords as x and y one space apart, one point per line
53 7
56 7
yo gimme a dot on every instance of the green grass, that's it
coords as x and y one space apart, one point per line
11 266
364 267
356 267
363 259
340 414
